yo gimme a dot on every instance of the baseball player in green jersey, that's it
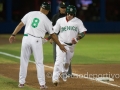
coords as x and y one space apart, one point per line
71 29
36 25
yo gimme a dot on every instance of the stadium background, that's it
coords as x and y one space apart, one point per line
97 53
100 16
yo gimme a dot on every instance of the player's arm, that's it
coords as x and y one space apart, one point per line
80 36
17 29
49 38
82 30
81 33
55 39
53 23
56 30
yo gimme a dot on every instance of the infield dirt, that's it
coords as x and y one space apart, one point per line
74 83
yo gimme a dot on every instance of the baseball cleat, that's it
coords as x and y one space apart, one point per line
55 83
43 87
64 76
20 85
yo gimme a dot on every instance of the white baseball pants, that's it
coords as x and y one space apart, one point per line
61 61
31 45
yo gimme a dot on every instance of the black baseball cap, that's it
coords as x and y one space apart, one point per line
63 5
46 5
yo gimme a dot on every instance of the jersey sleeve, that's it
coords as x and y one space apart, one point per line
48 26
24 19
56 28
81 27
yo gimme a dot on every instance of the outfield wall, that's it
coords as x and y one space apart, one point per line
101 26
92 27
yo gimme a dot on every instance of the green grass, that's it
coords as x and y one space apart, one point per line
6 59
9 84
98 48
92 49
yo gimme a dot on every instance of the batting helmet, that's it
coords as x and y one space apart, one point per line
71 9
46 5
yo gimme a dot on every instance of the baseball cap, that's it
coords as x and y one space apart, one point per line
63 5
46 5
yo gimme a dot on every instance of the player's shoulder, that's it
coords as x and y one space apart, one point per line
33 12
77 19
60 20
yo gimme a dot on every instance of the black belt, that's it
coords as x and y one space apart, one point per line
31 35
70 44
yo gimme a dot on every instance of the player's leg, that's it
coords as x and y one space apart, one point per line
54 57
24 59
58 64
69 73
69 56
54 51
38 55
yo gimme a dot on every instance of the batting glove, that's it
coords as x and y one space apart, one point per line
44 40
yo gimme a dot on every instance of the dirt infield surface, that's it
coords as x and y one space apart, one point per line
74 83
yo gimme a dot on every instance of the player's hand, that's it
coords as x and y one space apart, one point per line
74 41
62 47
44 40
51 41
11 39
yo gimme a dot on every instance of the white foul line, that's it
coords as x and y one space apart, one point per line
10 55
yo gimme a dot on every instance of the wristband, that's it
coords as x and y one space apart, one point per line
13 35
76 39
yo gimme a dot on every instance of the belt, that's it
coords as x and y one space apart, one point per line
70 44
31 35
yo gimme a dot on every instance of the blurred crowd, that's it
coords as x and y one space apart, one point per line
88 10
